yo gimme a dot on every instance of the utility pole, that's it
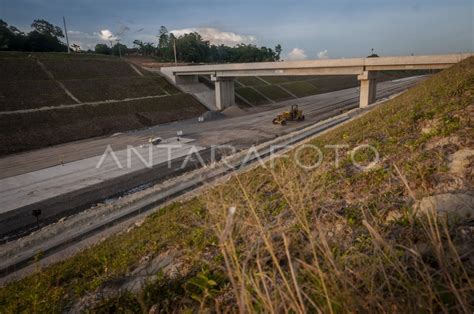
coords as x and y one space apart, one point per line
67 39
174 49
120 50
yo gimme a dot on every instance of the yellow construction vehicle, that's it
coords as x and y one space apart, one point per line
293 115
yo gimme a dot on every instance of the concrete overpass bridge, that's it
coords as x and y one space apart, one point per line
366 70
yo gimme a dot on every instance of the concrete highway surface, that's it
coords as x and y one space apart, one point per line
63 176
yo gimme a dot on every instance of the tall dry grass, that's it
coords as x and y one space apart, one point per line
298 256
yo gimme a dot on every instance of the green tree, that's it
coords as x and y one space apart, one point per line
139 44
119 49
192 48
5 35
11 38
45 28
102 49
373 54
45 37
163 38
148 49
277 52
165 50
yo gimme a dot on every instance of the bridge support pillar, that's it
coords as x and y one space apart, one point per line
225 92
368 88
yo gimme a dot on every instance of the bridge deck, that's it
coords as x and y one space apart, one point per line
322 67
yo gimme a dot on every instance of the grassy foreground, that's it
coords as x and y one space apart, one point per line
281 238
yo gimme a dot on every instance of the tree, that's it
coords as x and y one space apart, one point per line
148 49
36 41
139 44
163 38
102 49
165 44
11 38
277 52
192 47
373 54
45 28
118 49
45 37
5 35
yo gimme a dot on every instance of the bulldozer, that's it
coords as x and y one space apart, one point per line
293 115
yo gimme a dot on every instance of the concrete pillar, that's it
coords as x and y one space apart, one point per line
186 79
368 88
225 92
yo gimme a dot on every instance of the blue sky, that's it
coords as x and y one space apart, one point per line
305 29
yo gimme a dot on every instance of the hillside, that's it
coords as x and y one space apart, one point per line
287 239
52 98
255 91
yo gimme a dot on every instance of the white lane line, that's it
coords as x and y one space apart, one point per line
51 76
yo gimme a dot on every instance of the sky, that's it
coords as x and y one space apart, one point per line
305 29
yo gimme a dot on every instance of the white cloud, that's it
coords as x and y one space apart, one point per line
323 54
107 35
216 36
297 54
75 32
83 39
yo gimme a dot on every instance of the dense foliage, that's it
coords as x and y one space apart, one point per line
43 37
192 47
189 47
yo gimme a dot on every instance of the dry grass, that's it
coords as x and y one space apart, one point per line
307 258
337 239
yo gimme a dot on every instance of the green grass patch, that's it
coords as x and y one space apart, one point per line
301 89
325 84
274 92
251 96
20 69
82 122
162 82
48 291
114 88
78 68
250 81
18 95
286 79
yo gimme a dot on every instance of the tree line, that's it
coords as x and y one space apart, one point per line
43 37
190 47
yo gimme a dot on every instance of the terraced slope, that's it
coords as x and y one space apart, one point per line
263 90
52 98
338 238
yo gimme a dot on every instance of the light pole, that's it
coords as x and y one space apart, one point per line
174 49
65 31
119 49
